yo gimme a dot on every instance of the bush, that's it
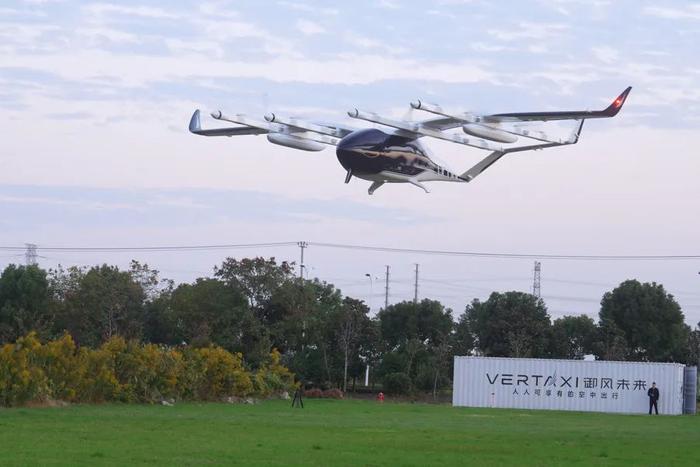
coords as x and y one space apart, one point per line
425 378
130 372
21 377
216 373
397 383
313 393
273 377
63 368
332 394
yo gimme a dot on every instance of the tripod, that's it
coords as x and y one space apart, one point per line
297 402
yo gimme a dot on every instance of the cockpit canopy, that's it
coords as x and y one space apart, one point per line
377 140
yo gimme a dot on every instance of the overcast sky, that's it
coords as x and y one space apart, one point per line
94 148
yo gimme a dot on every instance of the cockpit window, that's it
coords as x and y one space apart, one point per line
370 137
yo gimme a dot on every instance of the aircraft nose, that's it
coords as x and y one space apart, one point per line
346 144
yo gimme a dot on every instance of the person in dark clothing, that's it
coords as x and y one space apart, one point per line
653 394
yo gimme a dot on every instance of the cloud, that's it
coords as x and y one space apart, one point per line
605 54
82 204
93 36
486 47
221 9
389 4
109 89
106 9
139 70
228 30
180 47
564 6
299 6
71 116
309 28
529 30
691 11
441 13
365 42
25 12
15 36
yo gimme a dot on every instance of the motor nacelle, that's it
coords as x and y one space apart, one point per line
488 133
294 142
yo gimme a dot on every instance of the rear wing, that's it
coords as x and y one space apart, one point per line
608 112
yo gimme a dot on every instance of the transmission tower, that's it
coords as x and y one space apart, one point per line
30 254
536 280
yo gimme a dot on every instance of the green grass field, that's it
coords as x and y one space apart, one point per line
339 433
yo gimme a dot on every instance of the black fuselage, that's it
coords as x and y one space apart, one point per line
371 151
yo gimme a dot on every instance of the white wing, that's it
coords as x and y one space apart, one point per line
291 132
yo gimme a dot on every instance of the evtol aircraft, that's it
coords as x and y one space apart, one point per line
397 155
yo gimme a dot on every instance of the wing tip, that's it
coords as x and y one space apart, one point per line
617 104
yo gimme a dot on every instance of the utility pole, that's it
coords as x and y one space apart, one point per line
536 280
30 254
371 290
415 290
386 289
302 246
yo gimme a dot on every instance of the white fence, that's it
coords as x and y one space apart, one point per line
593 386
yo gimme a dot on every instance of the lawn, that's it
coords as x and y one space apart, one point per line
330 432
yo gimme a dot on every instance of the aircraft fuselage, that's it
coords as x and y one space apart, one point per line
374 155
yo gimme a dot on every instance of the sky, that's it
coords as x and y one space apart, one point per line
94 147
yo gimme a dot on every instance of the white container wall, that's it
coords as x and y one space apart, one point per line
591 386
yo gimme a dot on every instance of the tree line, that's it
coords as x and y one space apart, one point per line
253 305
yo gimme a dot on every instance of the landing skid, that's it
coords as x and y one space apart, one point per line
419 185
373 187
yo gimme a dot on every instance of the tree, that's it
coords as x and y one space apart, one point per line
300 316
572 337
649 320
372 347
693 351
209 312
510 324
419 334
351 319
153 286
463 337
427 321
257 278
288 312
99 304
24 302
610 343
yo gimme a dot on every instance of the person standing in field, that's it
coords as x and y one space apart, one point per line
653 394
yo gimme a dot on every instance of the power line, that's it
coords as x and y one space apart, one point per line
478 254
506 255
171 248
